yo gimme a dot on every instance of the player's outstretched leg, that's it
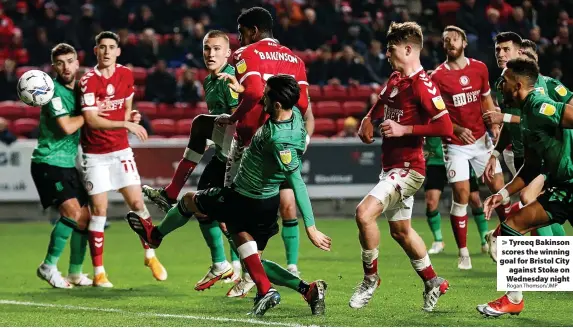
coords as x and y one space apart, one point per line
48 270
220 268
369 235
201 130
290 232
434 220
314 293
434 286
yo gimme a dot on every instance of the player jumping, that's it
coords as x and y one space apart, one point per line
464 84
55 176
411 107
548 141
107 159
249 207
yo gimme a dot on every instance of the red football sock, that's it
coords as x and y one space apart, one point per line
502 211
95 240
257 272
370 268
460 228
184 169
424 268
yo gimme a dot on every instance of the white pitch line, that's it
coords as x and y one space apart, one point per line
150 314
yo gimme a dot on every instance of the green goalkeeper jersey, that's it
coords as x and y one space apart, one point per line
54 146
220 98
276 149
543 135
544 85
433 151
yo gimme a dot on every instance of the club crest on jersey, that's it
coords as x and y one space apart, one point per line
540 90
110 90
286 156
547 109
89 99
439 102
241 66
560 89
464 80
393 93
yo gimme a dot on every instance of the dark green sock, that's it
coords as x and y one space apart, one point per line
508 231
58 239
291 237
545 231
175 218
481 223
558 230
281 277
214 238
232 247
78 246
435 222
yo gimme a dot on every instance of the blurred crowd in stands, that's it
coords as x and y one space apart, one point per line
342 41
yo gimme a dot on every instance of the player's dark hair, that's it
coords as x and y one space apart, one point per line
452 28
408 32
529 55
107 35
62 49
508 36
217 34
523 67
257 17
283 89
528 44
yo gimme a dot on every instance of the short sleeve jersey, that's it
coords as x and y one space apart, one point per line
219 97
117 89
433 151
410 100
543 134
462 91
276 149
54 146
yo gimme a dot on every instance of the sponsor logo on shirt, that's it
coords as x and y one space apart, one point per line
560 89
547 109
392 113
464 98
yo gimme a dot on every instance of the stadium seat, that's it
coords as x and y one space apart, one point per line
324 126
315 92
23 126
202 74
201 108
447 12
184 126
139 92
335 92
170 111
354 108
23 69
164 127
11 110
339 125
148 108
139 75
327 109
361 92
32 112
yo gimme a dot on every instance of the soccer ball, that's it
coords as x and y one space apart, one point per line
35 88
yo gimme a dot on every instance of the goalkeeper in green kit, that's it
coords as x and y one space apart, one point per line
548 139
249 208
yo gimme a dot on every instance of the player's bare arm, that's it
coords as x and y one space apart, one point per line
70 124
95 121
440 127
488 106
508 190
464 134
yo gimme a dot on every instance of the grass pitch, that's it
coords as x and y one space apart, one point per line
138 300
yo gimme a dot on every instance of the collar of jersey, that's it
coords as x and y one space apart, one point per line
285 121
448 66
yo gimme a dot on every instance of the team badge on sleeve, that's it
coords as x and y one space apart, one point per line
58 106
241 66
89 99
234 95
547 109
286 156
439 102
560 89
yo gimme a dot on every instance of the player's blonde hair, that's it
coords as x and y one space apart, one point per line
407 32
216 34
453 28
